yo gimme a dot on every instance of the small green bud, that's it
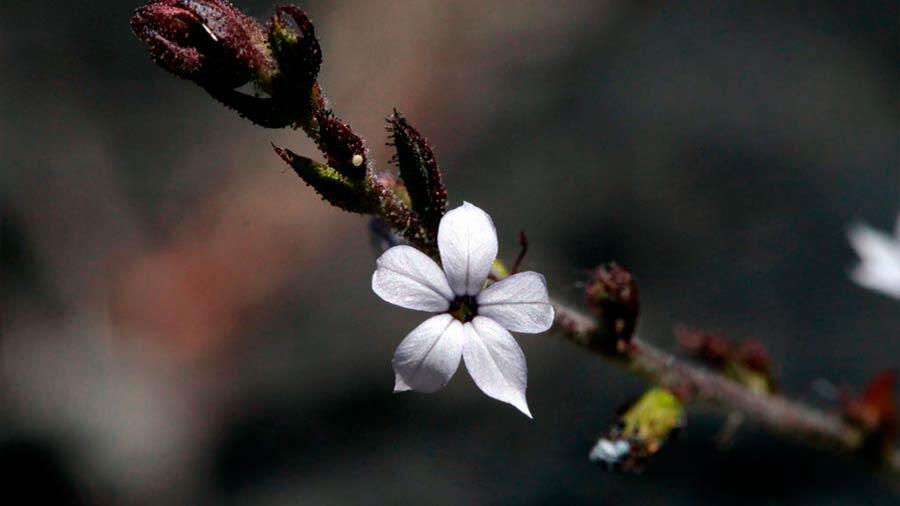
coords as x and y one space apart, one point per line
653 418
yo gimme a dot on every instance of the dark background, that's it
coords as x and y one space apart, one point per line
184 322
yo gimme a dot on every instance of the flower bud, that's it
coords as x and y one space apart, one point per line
206 41
612 294
419 171
754 356
875 412
345 150
334 187
297 51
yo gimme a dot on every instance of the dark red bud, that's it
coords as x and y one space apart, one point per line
345 150
876 413
419 170
612 295
876 405
754 356
881 394
207 41
295 47
168 30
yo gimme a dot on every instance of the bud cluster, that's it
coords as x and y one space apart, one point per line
213 44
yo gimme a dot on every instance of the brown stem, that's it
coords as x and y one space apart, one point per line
697 384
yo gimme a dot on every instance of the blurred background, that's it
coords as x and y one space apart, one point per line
184 322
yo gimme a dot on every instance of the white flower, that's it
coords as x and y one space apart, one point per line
880 254
473 324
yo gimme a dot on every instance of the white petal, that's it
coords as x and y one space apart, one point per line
409 278
467 241
880 254
429 355
609 451
518 303
496 362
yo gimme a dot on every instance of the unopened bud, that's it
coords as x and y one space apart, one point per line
612 294
334 187
207 41
875 412
754 356
419 171
295 47
345 150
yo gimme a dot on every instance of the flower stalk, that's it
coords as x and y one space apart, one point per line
698 385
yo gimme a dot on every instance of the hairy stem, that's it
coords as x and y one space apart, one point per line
699 385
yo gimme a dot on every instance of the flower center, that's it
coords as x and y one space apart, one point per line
464 308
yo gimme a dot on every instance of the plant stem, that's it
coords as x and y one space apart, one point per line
696 384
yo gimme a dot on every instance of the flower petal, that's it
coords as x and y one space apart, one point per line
880 254
467 241
518 303
409 278
429 355
496 362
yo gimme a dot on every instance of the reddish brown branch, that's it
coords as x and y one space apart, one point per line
700 385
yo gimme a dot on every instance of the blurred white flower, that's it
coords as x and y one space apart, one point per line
473 324
880 254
